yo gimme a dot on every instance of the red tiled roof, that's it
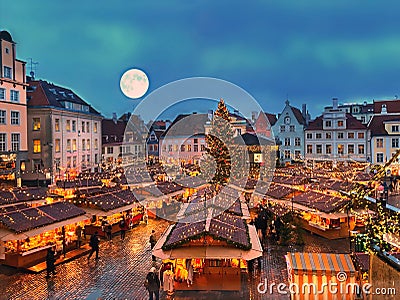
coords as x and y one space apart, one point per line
377 126
113 130
271 118
299 116
351 123
392 106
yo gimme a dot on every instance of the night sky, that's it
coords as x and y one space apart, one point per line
308 51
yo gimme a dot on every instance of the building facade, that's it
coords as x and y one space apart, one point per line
336 135
13 111
64 133
289 132
362 112
263 124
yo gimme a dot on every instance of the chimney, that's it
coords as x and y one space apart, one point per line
335 103
114 118
304 110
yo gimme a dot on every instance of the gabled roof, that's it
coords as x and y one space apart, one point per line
271 118
299 116
251 139
351 123
194 124
392 106
377 124
113 132
43 93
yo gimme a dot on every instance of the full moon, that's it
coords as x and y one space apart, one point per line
134 83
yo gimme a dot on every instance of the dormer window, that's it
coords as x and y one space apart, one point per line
340 123
395 128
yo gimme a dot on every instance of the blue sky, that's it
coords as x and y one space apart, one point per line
308 51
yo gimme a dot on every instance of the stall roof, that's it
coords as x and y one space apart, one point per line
320 262
210 251
8 235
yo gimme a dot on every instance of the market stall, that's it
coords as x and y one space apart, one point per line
215 251
315 276
27 232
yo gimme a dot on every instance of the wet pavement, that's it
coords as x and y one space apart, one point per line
123 265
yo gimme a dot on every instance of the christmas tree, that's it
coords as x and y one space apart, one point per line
220 145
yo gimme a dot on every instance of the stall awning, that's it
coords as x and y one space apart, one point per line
8 235
320 263
209 251
99 212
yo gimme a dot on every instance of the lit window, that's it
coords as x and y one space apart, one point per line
350 149
350 135
36 124
96 144
87 144
340 123
360 135
69 145
340 149
360 149
57 145
68 126
95 127
37 146
319 149
57 125
379 143
74 145
189 148
309 149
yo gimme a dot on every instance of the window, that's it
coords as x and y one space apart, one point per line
182 148
74 145
297 141
350 149
350 135
328 135
328 149
96 144
282 128
360 135
176 148
379 143
88 144
395 128
68 126
7 50
3 142
88 158
297 154
328 123
57 125
151 148
319 149
14 96
57 145
15 142
340 123
7 72
96 158
238 131
395 143
363 119
287 154
287 141
189 148
195 148
292 128
156 147
340 149
83 145
318 135
3 114
170 148
36 124
340 135
37 146
87 127
69 162
379 157
309 135
73 126
202 148
74 161
15 118
196 141
2 94
95 127
83 126
360 149
69 145
309 149
110 150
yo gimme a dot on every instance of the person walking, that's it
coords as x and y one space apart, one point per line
94 244
50 261
153 284
124 227
78 233
108 229
153 242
